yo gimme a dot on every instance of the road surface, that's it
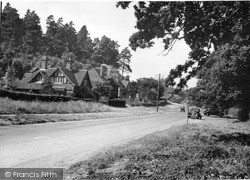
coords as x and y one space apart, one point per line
64 143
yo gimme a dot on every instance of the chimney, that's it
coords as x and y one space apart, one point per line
108 72
44 62
68 63
103 68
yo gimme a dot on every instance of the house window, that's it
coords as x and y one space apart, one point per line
85 82
60 78
39 79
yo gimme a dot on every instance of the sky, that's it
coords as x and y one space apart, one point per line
104 18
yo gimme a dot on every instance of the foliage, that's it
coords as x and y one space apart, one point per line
12 29
217 27
117 102
226 77
102 89
106 52
84 45
82 92
124 60
59 37
47 86
32 39
22 39
202 25
147 88
23 96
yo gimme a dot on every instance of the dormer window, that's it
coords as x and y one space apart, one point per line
39 79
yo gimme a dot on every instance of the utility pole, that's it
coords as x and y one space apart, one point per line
158 91
0 21
188 104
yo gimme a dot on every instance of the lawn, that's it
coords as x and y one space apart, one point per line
213 149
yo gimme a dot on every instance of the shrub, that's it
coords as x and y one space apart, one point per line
117 102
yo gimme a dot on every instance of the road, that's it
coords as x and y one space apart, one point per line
64 143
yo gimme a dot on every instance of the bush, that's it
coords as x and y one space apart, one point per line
14 95
243 114
117 102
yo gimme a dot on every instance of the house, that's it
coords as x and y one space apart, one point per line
64 79
112 74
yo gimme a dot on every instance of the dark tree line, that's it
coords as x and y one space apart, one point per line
23 43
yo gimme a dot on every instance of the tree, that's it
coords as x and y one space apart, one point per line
6 61
32 40
47 86
102 89
124 60
106 52
147 88
226 77
84 45
12 29
203 25
59 37
218 27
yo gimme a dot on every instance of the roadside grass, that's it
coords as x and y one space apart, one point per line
193 151
8 106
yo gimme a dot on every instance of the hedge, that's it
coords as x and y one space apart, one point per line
15 95
117 102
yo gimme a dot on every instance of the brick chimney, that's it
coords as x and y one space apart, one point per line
44 62
68 63
105 70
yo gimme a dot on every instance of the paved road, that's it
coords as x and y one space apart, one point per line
64 143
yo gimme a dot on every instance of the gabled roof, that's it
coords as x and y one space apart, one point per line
79 76
94 76
34 69
69 75
124 83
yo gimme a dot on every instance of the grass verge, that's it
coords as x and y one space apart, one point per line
8 106
193 151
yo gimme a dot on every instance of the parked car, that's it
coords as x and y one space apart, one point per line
194 113
213 111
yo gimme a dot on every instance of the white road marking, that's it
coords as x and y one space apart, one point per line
40 137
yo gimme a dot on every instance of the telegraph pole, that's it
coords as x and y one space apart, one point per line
0 21
158 91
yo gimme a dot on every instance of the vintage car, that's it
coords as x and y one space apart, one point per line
194 113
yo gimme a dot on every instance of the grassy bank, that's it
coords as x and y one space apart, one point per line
8 106
194 151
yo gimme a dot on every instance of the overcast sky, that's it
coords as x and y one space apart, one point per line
103 18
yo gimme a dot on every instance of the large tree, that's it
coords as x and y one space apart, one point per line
148 89
12 29
203 25
59 37
84 45
106 52
124 60
209 26
32 40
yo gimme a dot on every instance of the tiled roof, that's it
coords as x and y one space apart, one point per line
23 83
79 76
69 75
94 76
34 69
